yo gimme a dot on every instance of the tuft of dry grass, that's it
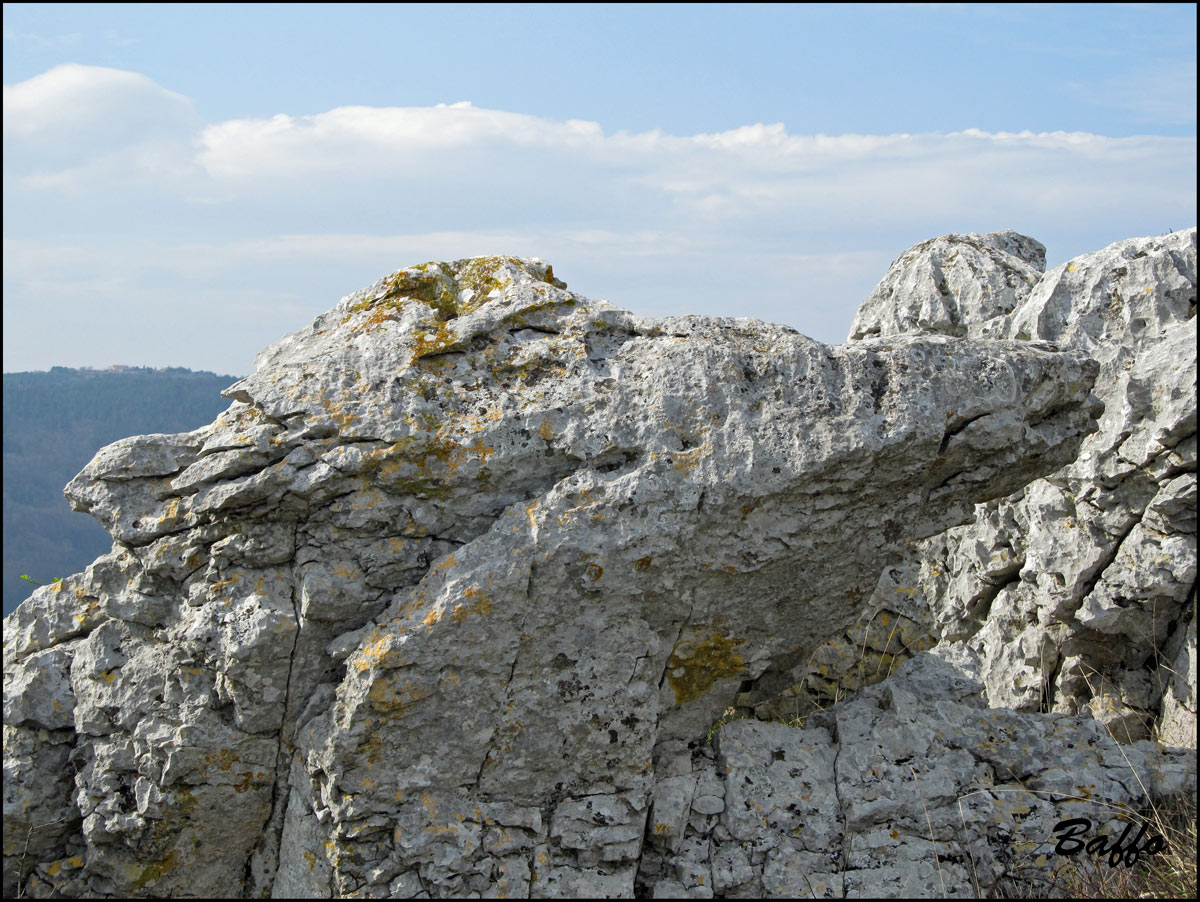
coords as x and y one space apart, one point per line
1169 874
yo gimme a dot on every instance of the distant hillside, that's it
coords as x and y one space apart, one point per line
53 424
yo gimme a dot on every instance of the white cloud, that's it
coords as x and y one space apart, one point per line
265 222
379 138
75 125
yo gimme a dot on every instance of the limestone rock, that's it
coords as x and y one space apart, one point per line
914 787
954 285
1077 593
448 599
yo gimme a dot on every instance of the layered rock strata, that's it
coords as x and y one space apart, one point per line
470 566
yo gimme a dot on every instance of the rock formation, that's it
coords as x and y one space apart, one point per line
1035 594
450 598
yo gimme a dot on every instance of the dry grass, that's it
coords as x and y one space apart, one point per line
1169 874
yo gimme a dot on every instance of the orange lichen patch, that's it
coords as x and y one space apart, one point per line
415 602
430 808
374 651
476 602
247 779
74 863
232 580
92 610
692 669
468 423
545 430
416 464
338 414
172 511
642 564
480 450
223 759
593 572
685 461
385 311
332 853
427 343
428 283
388 695
311 859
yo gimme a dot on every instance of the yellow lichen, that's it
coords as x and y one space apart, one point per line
693 669
685 461
388 695
427 343
477 603
155 869
224 759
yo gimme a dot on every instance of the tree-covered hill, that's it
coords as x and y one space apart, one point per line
53 424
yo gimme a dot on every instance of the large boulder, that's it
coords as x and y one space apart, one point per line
436 604
954 285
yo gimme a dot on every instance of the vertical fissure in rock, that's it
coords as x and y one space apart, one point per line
1049 681
267 851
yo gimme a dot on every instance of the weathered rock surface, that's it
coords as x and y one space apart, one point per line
1078 592
449 598
913 787
954 285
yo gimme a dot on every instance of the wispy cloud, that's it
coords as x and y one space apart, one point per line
116 39
1155 92
260 220
43 43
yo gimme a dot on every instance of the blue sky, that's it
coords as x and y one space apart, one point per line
183 184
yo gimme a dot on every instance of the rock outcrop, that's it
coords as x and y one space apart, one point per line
1079 591
449 600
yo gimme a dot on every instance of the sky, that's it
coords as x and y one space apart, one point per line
185 184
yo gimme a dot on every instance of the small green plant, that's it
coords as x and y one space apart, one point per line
729 715
38 582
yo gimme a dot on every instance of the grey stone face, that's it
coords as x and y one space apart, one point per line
1077 593
962 285
449 599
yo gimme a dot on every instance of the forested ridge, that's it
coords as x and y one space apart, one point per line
54 422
